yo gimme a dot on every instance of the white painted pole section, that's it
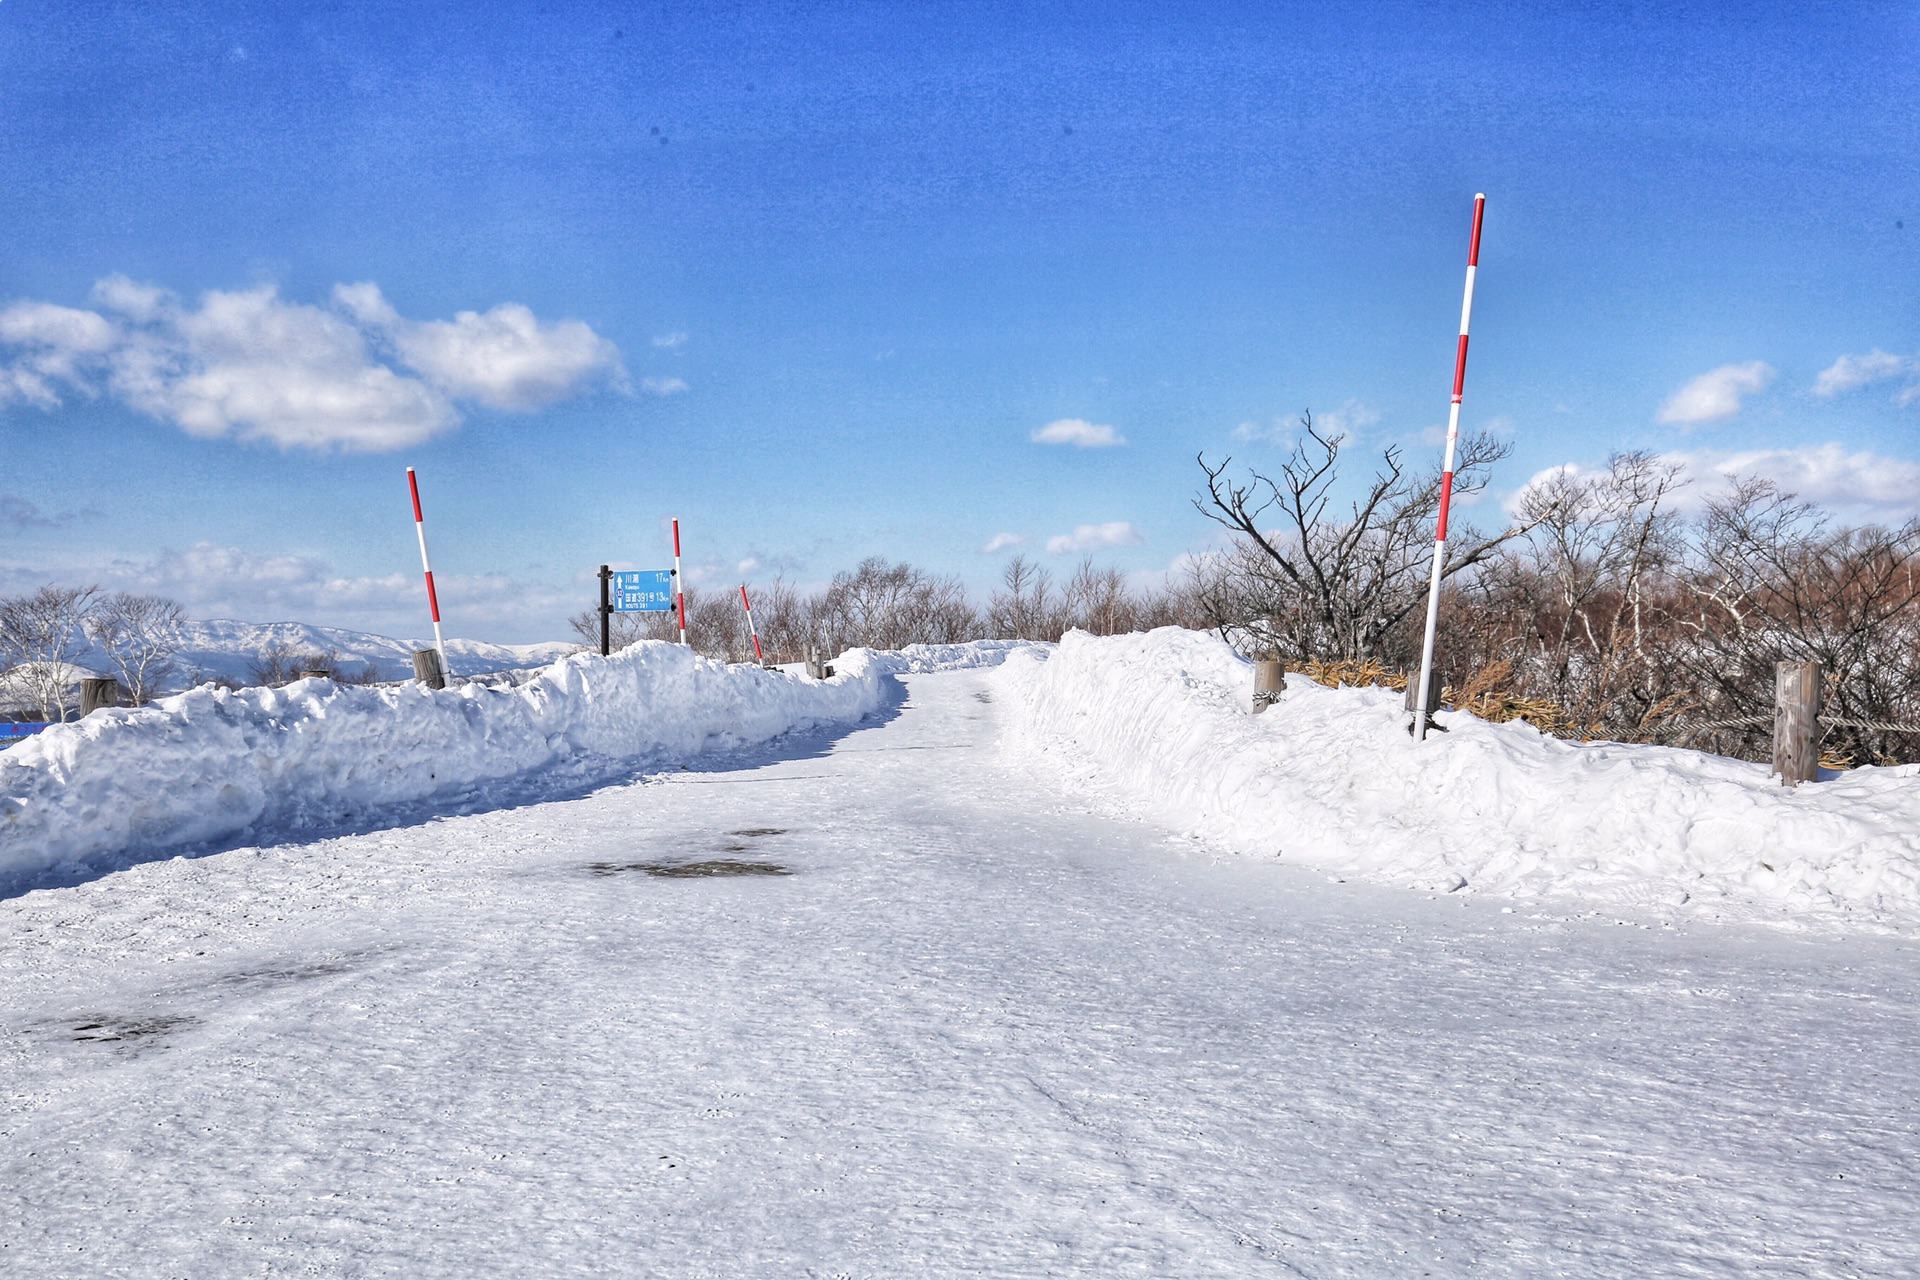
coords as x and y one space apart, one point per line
433 600
1446 479
679 595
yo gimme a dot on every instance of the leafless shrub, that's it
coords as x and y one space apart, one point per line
1775 581
278 663
889 606
41 636
1582 610
1094 599
140 636
1026 609
1303 581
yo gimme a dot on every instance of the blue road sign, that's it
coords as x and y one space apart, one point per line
643 591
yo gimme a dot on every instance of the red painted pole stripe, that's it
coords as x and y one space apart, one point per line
683 612
414 485
743 600
1460 369
676 537
433 600
1479 210
1446 495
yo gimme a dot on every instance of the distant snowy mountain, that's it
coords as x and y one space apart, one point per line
226 649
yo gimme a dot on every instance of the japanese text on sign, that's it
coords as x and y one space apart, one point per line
643 591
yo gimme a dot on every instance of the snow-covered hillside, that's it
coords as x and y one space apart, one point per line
224 649
1161 724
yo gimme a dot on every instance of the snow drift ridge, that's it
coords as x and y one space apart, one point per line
1330 777
212 763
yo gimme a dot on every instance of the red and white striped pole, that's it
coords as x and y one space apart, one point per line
679 596
433 600
751 629
1446 478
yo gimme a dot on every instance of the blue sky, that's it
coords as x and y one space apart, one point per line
812 277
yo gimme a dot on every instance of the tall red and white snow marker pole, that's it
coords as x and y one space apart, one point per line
1446 479
752 630
679 591
433 600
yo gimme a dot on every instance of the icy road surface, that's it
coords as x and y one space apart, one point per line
939 1021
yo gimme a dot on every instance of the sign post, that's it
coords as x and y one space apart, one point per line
433 601
631 591
606 613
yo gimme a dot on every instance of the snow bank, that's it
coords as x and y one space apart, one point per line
1330 777
212 763
921 658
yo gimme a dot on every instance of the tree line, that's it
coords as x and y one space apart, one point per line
1606 606
883 604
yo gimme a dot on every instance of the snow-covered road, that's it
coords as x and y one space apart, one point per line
947 1021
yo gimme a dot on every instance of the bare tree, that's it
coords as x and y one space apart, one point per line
1776 582
278 663
1097 600
1308 584
1026 609
785 619
41 636
1584 607
888 606
140 636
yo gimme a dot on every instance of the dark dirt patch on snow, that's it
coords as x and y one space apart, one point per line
692 870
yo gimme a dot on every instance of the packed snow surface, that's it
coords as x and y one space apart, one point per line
1161 724
882 1001
212 763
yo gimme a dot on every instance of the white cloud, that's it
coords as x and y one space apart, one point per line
1079 433
1002 541
1094 537
663 386
504 357
56 344
250 364
671 341
1716 395
1858 485
1849 372
750 565
1351 417
214 581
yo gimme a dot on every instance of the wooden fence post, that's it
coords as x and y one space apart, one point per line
95 694
1796 722
1269 682
426 668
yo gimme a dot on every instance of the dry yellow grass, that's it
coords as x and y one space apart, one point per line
1482 695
